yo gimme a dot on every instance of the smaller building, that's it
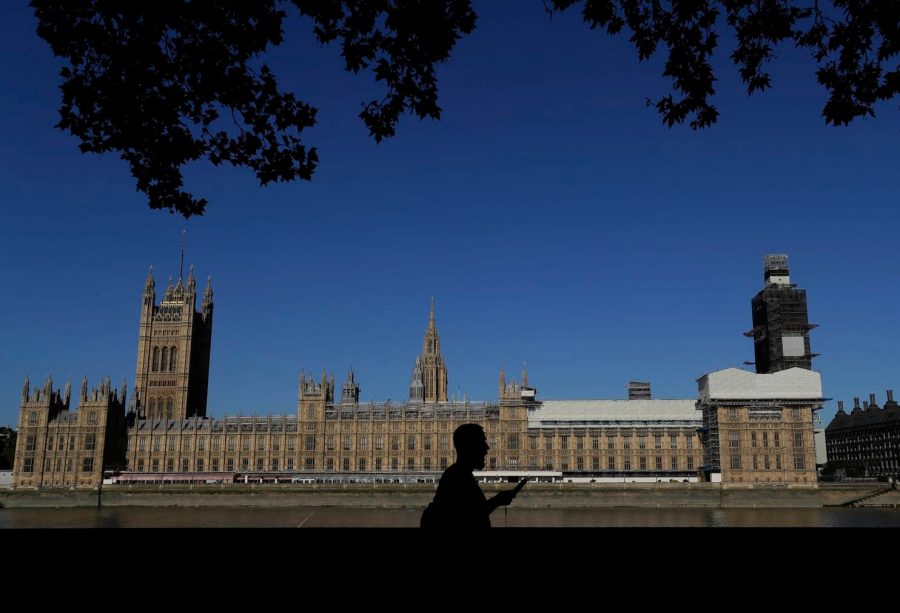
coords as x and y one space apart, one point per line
865 443
616 440
57 447
758 428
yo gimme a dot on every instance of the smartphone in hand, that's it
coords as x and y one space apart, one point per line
520 485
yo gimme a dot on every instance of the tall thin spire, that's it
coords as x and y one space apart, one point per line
431 344
181 263
434 372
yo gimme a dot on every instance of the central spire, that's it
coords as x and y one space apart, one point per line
432 343
430 372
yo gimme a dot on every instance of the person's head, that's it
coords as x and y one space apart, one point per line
471 445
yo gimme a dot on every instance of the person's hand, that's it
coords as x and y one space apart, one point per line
505 498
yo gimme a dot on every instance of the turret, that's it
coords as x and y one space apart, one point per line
207 306
350 391
149 292
417 386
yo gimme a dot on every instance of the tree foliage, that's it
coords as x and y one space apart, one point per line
7 449
166 82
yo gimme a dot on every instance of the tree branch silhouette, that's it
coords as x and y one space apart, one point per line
151 79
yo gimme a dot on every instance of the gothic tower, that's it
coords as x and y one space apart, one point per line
431 365
350 391
173 350
780 321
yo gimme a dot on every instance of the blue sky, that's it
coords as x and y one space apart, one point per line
551 214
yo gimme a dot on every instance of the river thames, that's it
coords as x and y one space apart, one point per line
344 517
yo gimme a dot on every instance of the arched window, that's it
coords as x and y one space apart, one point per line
151 408
172 353
32 417
163 366
170 409
155 359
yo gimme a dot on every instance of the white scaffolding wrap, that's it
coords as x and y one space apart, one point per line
737 384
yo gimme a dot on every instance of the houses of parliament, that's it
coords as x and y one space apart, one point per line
743 427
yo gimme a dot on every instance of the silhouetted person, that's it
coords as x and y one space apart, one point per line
459 502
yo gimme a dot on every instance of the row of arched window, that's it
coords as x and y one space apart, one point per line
169 357
161 408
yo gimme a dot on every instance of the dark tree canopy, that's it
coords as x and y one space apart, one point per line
166 82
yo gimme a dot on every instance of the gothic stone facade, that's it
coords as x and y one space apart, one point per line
759 428
760 436
172 375
61 448
650 439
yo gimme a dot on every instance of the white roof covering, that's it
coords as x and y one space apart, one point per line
621 411
737 384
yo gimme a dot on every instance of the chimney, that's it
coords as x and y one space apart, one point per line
639 390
